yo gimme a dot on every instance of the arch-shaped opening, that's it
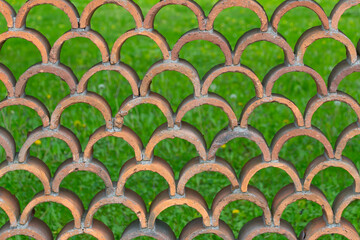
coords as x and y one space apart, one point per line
300 19
140 52
300 151
157 101
23 184
299 213
32 36
52 95
333 186
65 6
173 30
300 87
233 22
144 119
19 121
163 66
30 103
178 216
59 70
334 50
279 71
130 6
157 166
34 138
177 152
65 198
118 21
187 132
110 85
124 70
84 184
332 117
269 118
88 54
203 55
212 100
239 94
13 52
137 181
238 151
82 125
191 5
266 175
45 17
116 217
208 119
172 85
261 61
238 213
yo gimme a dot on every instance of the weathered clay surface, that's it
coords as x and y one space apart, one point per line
22 222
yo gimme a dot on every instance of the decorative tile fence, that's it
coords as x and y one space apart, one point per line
23 223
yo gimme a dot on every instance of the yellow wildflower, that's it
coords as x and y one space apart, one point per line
38 142
77 123
235 211
310 147
240 104
286 121
223 146
48 96
149 203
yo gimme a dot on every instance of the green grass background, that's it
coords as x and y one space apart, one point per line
140 53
